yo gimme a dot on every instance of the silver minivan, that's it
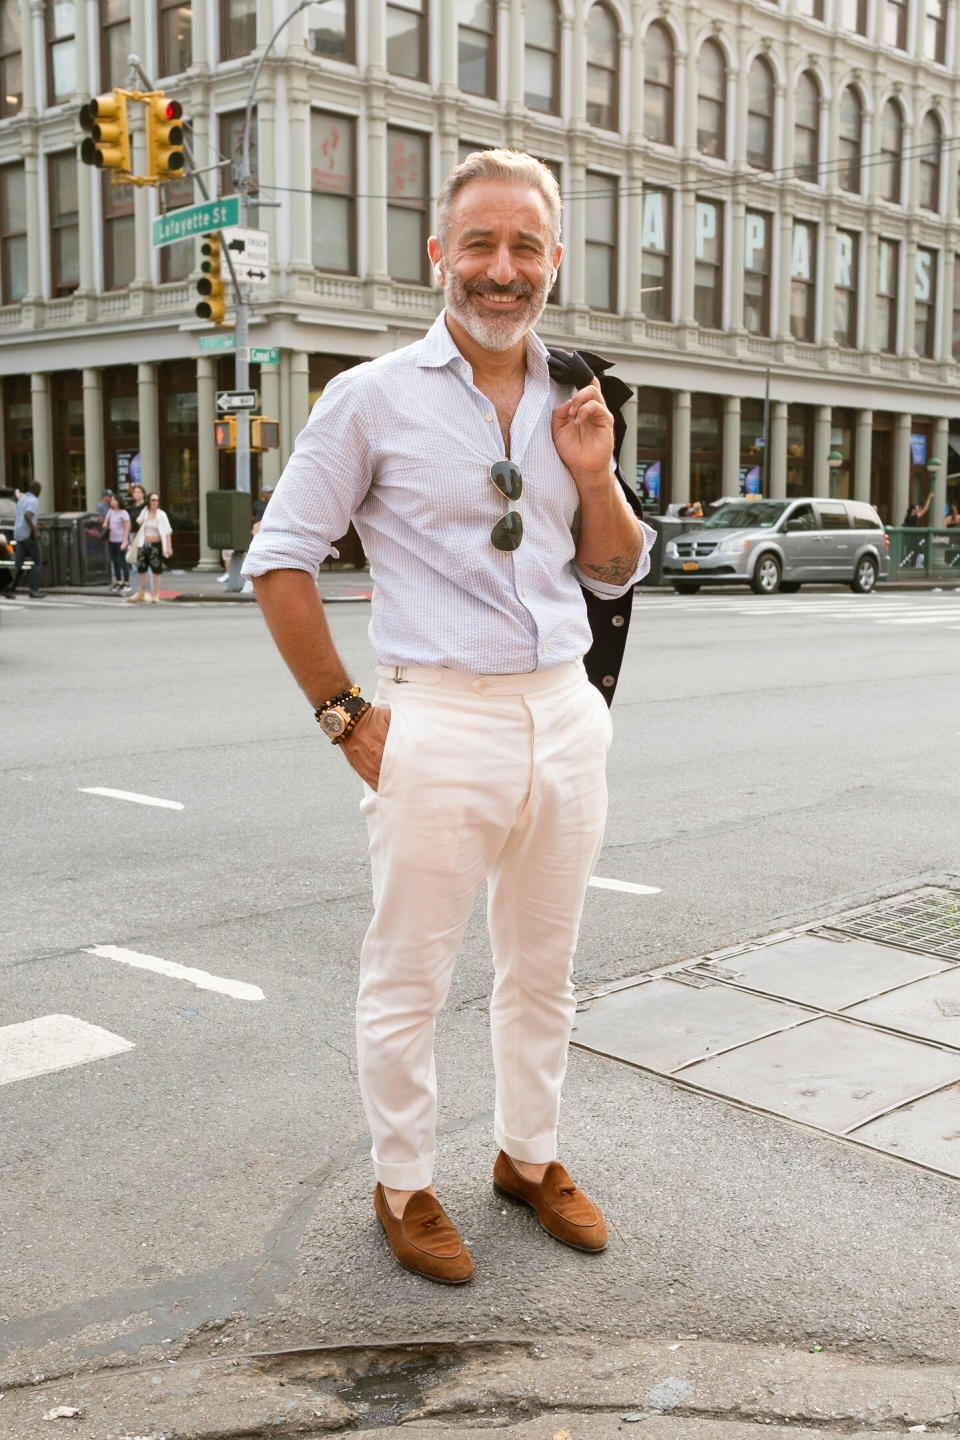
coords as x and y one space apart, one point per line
775 545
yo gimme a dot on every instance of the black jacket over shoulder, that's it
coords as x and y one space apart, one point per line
609 619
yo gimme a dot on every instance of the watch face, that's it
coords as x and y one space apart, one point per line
332 722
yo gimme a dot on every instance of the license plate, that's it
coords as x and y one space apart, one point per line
690 565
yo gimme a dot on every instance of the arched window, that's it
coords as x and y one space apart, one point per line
930 136
760 115
658 84
891 149
851 124
711 100
603 66
806 133
541 57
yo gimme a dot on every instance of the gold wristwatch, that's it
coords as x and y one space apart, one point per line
338 716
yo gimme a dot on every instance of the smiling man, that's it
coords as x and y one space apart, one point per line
484 496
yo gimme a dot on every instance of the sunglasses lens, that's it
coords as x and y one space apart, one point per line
507 479
508 532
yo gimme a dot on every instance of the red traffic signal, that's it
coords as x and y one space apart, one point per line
164 138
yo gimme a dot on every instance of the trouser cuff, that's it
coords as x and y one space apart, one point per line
409 1175
537 1150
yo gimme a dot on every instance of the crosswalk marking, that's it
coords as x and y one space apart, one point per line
131 796
626 885
53 1042
238 989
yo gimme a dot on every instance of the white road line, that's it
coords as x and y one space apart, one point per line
239 989
626 885
53 1042
131 796
918 619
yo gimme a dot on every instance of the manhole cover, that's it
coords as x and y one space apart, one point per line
930 923
837 1025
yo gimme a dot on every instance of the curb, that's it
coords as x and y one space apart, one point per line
681 1390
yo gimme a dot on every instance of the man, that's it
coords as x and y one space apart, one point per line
483 495
26 540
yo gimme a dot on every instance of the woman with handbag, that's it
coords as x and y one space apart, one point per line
154 545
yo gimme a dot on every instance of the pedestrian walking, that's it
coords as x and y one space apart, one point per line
154 545
26 540
484 494
116 527
136 504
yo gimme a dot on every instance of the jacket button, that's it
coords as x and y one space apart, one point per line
608 681
618 620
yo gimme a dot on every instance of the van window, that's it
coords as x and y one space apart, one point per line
864 518
802 518
833 515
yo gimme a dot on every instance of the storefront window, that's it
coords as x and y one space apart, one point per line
655 298
407 191
653 447
756 280
708 267
841 443
803 281
753 479
799 451
333 204
180 460
706 425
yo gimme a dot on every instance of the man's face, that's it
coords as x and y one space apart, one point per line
498 267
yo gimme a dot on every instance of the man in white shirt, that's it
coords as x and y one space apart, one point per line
484 495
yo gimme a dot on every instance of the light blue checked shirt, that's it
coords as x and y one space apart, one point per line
402 445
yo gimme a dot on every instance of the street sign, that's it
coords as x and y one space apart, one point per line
264 357
230 400
196 220
225 341
250 252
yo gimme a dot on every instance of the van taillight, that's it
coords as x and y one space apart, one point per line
886 540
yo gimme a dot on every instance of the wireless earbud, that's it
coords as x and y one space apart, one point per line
553 277
438 271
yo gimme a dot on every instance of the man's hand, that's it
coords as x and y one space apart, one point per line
583 435
363 747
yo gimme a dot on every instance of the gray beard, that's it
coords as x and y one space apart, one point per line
493 332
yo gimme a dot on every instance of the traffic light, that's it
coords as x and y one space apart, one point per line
264 433
164 138
225 433
107 143
210 285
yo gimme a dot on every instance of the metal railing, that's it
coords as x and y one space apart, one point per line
919 554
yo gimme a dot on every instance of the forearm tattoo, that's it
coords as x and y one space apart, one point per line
616 571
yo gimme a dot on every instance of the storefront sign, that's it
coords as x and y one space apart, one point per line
918 449
128 468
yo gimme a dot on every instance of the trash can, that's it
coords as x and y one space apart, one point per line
90 549
48 550
668 527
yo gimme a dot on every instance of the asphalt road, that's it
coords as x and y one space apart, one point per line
775 760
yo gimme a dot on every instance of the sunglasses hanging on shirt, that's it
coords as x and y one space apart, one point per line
508 531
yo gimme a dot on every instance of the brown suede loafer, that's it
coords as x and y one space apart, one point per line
563 1210
424 1240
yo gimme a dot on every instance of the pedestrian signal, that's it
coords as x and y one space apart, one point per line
264 433
210 285
225 433
107 142
164 138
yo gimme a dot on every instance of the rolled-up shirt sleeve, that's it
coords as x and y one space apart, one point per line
325 480
601 589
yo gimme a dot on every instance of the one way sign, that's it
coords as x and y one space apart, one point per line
250 252
230 401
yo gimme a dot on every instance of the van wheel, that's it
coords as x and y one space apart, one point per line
865 576
686 587
789 587
766 575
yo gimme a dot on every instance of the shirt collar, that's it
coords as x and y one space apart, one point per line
438 348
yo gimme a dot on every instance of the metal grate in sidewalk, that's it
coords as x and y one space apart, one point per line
928 923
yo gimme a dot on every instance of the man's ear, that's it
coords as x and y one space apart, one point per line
436 257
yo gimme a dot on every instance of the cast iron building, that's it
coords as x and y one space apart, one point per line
751 189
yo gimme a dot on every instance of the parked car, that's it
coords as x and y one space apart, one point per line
8 509
775 545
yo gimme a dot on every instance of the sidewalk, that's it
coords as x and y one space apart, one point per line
351 586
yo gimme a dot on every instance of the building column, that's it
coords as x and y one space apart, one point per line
737 233
511 22
297 139
862 455
208 466
448 129
777 459
730 469
94 453
31 168
41 414
684 255
270 399
938 505
821 450
901 467
148 406
299 394
870 287
680 465
781 325
910 291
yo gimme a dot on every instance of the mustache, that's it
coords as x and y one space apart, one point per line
489 287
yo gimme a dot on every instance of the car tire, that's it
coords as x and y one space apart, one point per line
789 587
765 579
686 587
865 575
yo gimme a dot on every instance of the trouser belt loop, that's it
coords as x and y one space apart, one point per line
398 676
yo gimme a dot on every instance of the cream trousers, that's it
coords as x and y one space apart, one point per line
497 778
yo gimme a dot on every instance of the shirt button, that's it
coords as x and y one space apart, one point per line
489 415
523 592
